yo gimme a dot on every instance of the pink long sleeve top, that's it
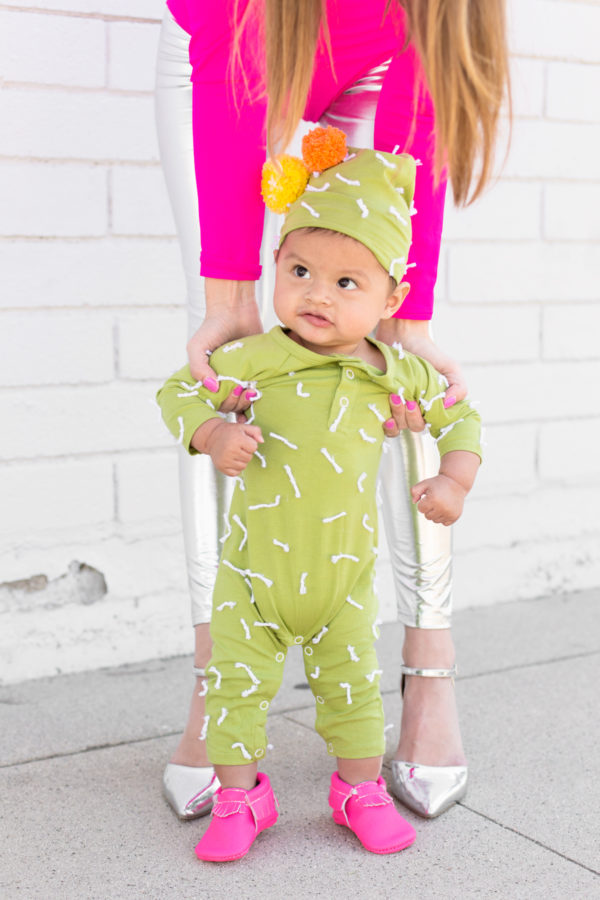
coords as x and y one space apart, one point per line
229 130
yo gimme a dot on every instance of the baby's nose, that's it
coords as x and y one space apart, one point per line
319 294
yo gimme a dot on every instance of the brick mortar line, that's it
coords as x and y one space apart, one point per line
102 238
78 14
107 234
75 160
450 242
467 306
81 89
500 179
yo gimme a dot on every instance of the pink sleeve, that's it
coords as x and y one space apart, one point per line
229 146
393 125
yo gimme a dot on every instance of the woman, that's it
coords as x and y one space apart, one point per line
377 70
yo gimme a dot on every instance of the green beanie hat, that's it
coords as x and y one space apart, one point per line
369 197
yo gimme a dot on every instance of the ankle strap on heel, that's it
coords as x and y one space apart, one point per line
429 673
199 672
425 673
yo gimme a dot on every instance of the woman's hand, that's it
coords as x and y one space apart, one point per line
404 415
231 312
414 336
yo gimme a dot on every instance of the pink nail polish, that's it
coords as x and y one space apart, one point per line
396 399
211 385
237 390
449 401
389 424
250 394
410 404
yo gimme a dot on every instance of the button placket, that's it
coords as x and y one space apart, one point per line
339 413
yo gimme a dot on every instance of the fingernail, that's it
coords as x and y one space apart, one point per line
389 424
237 390
396 399
211 385
449 401
250 394
410 404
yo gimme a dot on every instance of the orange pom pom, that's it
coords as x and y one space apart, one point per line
323 148
281 186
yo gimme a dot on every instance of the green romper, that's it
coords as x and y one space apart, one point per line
299 549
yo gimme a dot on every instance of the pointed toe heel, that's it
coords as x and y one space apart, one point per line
427 790
189 790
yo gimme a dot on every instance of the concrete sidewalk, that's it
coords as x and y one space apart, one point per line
82 756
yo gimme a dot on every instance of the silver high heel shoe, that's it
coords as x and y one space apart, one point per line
428 790
189 790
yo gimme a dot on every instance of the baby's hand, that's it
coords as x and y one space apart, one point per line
440 499
230 445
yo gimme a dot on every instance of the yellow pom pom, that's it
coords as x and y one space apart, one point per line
282 185
323 148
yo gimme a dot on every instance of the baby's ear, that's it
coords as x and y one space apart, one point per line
396 299
275 254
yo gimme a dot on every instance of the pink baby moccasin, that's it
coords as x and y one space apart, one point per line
238 816
368 810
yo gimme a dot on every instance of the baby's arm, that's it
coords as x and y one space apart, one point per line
457 431
190 412
442 497
230 445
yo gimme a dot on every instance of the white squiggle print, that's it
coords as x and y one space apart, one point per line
353 602
330 459
267 505
239 522
290 475
247 572
333 518
319 637
217 679
344 684
283 440
238 744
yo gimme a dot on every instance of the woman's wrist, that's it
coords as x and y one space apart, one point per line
223 295
411 333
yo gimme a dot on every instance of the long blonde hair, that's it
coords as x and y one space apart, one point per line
463 51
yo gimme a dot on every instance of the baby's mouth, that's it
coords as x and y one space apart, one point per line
315 318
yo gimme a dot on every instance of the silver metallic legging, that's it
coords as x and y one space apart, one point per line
420 550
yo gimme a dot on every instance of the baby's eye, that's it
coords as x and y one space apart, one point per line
301 272
347 284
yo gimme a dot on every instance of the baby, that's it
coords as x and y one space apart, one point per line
298 557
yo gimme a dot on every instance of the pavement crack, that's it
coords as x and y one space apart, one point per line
532 840
530 665
91 749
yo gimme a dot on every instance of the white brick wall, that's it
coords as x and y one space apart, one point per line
92 319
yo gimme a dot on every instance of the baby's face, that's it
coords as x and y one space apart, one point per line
330 290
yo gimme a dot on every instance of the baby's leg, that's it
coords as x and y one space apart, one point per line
244 674
343 674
